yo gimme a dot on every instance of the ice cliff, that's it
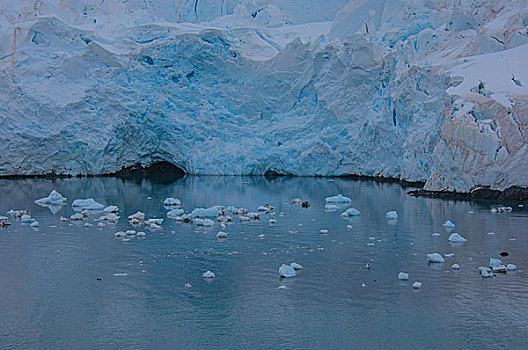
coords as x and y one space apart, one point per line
420 90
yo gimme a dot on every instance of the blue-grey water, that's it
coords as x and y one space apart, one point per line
51 298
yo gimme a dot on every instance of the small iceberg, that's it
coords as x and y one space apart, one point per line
286 271
221 235
34 224
350 212
485 272
154 221
208 274
141 234
456 238
324 232
331 207
119 234
175 212
338 199
494 262
272 221
137 217
455 267
511 267
53 198
171 201
448 224
203 222
403 276
296 266
77 216
391 215
111 209
417 285
435 258
87 204
205 213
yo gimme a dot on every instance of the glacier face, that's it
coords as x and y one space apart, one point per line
420 90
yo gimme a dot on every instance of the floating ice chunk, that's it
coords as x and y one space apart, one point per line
205 213
494 262
282 287
403 276
203 222
351 212
126 240
25 217
456 238
253 216
88 224
500 268
120 274
338 199
154 221
296 266
188 285
141 234
139 216
296 201
101 224
243 218
391 215
110 217
485 272
209 274
448 224
171 201
436 234
154 226
130 232
221 235
34 224
76 216
264 208
331 207
491 233
435 258
449 255
111 209
324 232
88 204
350 227
272 221
455 266
53 198
417 285
120 234
511 267
175 212
286 271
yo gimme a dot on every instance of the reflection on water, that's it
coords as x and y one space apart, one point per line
51 296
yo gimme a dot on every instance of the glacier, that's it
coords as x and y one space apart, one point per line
429 91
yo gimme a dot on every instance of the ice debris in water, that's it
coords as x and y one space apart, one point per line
119 234
286 271
141 234
435 258
331 207
350 212
137 217
338 199
417 285
209 274
456 238
111 209
448 224
455 266
493 262
391 215
449 255
203 222
324 232
175 212
88 224
154 221
34 224
403 276
188 285
171 201
485 271
221 234
205 213
272 221
101 224
296 266
53 198
87 204
130 232
76 216
511 267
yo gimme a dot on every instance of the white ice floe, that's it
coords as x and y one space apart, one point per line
76 216
296 266
485 272
87 204
120 234
272 221
53 198
203 222
448 224
130 232
253 216
449 255
109 217
34 224
324 232
435 258
171 201
286 271
205 213
350 212
141 234
391 215
209 274
331 207
101 224
175 212
111 209
493 262
338 199
511 267
455 267
221 235
403 276
456 238
87 224
417 285
139 216
264 208
154 221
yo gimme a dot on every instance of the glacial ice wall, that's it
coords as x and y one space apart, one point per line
420 90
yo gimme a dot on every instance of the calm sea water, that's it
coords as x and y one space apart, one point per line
51 298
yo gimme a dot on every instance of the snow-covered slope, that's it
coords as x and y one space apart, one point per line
419 90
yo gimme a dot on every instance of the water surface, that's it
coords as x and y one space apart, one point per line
51 297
